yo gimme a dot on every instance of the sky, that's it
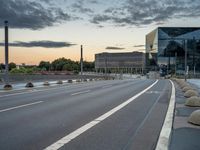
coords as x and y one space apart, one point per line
50 29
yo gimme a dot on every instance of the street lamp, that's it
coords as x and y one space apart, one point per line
81 61
7 85
186 67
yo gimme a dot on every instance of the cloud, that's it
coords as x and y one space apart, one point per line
79 6
139 13
44 44
114 48
31 14
138 45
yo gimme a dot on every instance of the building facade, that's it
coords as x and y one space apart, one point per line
172 47
115 62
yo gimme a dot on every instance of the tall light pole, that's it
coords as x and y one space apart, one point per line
186 67
7 85
175 62
81 61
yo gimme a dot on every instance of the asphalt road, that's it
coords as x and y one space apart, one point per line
37 119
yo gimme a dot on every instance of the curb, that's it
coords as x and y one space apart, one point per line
164 137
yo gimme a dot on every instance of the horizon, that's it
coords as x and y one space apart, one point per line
38 34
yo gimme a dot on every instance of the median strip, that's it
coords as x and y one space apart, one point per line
16 107
60 143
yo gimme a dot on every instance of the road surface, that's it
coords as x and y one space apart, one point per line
101 115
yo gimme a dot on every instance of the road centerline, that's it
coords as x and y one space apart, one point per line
60 143
20 106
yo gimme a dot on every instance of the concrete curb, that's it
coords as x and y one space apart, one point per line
164 137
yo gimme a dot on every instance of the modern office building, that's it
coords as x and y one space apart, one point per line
117 62
170 46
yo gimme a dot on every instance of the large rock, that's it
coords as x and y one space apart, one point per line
29 85
60 82
186 88
8 87
195 118
70 81
46 83
193 101
191 93
78 80
183 84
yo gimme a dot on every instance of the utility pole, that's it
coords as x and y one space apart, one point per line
81 61
7 85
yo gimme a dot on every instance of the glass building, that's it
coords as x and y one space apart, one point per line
167 47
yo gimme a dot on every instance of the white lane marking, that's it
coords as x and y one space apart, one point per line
82 92
89 125
29 91
107 86
34 90
25 105
163 141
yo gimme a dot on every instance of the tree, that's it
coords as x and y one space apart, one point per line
63 64
88 66
12 65
2 66
44 65
67 67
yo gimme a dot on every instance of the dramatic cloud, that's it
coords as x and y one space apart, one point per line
44 44
138 45
114 48
31 14
134 12
79 6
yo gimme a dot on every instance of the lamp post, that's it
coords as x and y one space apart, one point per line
81 61
186 67
7 85
175 62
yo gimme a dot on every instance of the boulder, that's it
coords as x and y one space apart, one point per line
183 84
70 81
186 88
29 85
46 83
191 93
195 118
60 82
193 101
8 87
78 80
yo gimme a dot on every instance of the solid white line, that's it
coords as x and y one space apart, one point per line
89 125
163 141
7 109
82 92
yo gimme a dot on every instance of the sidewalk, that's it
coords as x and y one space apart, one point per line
184 136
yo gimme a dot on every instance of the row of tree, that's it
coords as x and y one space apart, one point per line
61 64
